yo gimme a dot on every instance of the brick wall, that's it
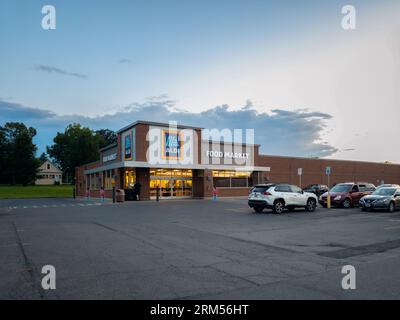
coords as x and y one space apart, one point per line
284 169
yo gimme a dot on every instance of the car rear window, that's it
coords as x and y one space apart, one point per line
260 189
341 188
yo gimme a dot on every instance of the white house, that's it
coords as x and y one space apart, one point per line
49 174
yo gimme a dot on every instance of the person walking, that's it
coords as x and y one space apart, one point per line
215 193
102 194
136 189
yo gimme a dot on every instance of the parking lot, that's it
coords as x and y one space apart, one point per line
194 249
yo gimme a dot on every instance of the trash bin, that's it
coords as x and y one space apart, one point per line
120 195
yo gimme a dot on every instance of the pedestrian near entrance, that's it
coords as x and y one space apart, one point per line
215 193
87 194
102 194
136 191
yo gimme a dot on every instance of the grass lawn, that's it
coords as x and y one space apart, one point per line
53 191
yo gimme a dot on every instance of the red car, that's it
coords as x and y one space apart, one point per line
347 194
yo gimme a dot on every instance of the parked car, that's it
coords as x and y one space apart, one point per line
382 199
317 189
279 197
347 194
387 185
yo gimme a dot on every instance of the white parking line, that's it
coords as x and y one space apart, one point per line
63 205
392 227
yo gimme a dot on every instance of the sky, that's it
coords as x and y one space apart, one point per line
287 69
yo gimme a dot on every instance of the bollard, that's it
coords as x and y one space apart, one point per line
113 194
157 194
74 193
328 201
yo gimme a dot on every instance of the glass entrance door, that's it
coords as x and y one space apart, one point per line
173 183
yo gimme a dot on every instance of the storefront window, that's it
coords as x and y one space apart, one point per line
231 179
171 183
95 181
130 178
108 179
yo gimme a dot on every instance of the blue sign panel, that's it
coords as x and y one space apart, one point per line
171 145
128 147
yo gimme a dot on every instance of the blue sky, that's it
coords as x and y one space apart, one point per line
196 56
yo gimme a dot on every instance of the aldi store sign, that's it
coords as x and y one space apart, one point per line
171 144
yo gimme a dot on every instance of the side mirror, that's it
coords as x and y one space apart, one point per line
397 195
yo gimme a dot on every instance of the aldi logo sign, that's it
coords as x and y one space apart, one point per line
128 147
171 145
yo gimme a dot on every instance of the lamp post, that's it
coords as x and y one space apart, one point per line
113 189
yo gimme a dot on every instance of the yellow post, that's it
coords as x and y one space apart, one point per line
328 200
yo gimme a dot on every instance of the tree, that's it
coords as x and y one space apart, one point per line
18 162
43 157
108 136
76 146
3 153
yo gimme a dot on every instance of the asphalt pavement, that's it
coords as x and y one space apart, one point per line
194 249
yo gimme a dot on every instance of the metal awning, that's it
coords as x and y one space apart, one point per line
143 164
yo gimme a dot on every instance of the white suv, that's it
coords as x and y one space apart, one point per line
280 196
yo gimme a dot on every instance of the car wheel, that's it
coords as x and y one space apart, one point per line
346 203
258 209
279 206
391 207
311 205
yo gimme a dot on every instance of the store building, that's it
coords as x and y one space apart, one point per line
188 162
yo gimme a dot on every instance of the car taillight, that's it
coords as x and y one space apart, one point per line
266 193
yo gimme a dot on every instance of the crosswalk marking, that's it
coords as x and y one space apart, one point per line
62 205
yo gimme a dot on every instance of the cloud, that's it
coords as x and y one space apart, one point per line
51 69
348 149
124 60
280 132
10 111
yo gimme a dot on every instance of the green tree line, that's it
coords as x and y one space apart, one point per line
75 146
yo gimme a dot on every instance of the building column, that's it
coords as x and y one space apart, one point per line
143 177
198 184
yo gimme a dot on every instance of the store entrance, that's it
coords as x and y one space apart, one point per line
173 183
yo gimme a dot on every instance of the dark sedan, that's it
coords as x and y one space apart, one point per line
317 189
382 199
